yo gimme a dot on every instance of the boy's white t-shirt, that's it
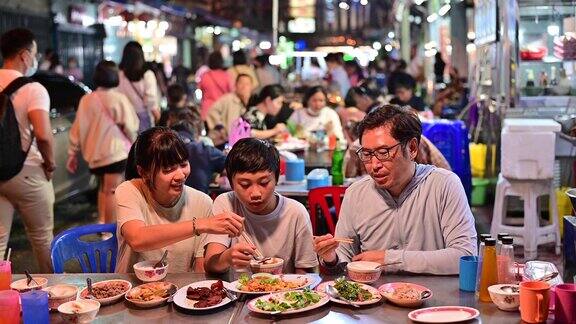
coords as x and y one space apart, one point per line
134 202
30 97
285 233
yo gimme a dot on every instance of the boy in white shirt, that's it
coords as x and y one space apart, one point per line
279 227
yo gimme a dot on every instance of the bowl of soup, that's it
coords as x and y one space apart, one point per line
146 272
60 294
273 265
23 286
79 311
364 271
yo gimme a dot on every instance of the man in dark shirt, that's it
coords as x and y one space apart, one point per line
404 94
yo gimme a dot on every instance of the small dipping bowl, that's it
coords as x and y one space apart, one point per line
146 272
505 296
22 284
363 271
79 311
273 266
60 294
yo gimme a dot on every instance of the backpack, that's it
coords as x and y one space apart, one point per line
239 129
12 156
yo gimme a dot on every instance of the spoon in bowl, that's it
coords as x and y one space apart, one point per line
90 292
160 263
30 279
333 292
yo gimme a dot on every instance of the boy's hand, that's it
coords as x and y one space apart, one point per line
239 255
325 246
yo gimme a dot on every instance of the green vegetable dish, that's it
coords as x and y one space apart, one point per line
291 300
352 291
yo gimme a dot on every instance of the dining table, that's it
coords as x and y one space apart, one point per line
445 290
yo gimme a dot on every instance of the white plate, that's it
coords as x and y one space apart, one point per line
151 303
252 304
376 297
109 300
443 314
183 302
311 282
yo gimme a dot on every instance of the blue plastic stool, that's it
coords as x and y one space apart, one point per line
67 245
451 138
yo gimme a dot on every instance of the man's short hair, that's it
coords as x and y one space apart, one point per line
14 41
403 122
251 155
175 93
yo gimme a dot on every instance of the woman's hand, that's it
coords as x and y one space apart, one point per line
325 246
225 223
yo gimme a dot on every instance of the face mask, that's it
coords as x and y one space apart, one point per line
32 70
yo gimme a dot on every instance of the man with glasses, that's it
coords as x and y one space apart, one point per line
407 216
30 191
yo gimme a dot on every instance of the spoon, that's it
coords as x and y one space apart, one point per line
230 295
30 279
172 293
333 292
90 293
160 263
547 277
510 289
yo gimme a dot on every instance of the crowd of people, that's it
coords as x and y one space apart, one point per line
154 165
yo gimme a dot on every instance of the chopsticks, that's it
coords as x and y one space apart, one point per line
248 240
347 240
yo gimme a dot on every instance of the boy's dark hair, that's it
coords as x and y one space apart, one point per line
403 122
406 81
243 75
14 41
175 93
333 57
312 91
251 155
216 61
239 58
106 75
187 120
155 149
133 63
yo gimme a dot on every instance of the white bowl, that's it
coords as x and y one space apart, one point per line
79 311
505 300
273 266
21 285
146 272
108 300
60 294
363 271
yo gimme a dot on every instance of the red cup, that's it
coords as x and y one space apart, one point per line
565 304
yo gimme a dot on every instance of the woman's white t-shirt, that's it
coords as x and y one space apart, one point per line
312 122
135 202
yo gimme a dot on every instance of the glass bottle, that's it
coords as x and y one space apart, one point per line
505 261
481 237
489 275
499 241
337 164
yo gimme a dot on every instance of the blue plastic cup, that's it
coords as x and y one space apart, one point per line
468 272
35 307
295 170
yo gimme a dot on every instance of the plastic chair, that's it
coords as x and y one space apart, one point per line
67 245
317 198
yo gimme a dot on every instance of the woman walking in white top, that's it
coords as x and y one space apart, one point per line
139 85
104 129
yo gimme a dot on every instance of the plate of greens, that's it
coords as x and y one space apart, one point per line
357 293
289 302
275 283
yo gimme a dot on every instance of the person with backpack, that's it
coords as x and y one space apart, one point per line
26 147
139 85
105 127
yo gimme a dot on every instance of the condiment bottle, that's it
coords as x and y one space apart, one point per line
337 166
481 237
506 273
489 275
499 242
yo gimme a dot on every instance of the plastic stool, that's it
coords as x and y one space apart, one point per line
531 234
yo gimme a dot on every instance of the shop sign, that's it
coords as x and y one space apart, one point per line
302 25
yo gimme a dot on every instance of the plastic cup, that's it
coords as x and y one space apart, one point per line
468 272
9 307
35 307
5 275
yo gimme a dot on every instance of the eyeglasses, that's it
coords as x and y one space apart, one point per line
381 153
